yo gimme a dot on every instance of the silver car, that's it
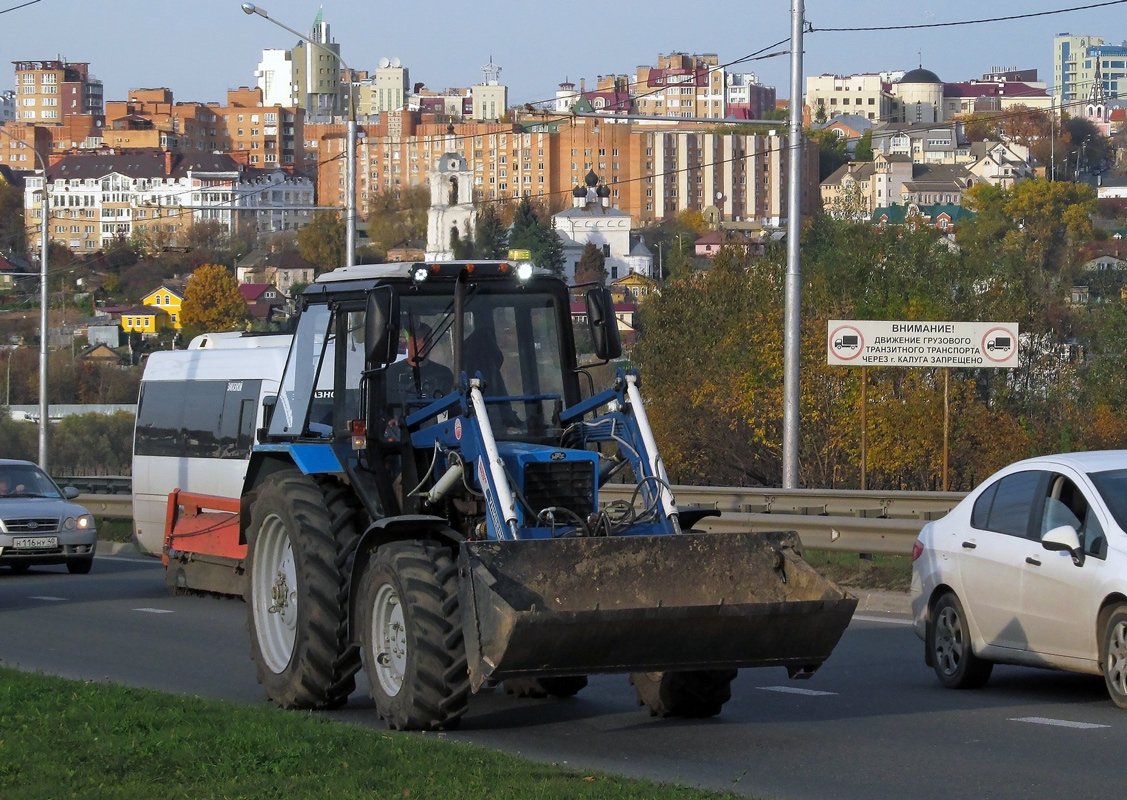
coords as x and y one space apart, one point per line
39 524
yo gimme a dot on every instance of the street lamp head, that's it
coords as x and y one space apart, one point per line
251 8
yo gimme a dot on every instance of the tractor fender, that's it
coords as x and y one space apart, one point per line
407 527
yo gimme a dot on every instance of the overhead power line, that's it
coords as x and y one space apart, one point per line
982 21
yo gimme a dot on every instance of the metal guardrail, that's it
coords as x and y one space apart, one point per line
846 520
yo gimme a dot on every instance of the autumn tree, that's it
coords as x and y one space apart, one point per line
321 242
396 216
592 266
212 301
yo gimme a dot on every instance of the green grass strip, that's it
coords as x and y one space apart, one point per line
69 739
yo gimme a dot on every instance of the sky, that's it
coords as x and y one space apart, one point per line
201 48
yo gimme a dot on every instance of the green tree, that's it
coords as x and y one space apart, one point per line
13 234
592 265
831 151
863 151
212 301
322 241
524 220
489 234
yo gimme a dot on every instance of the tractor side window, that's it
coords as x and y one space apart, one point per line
300 384
353 365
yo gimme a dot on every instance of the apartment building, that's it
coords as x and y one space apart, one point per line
1075 62
155 195
745 97
651 171
385 89
50 91
7 107
268 135
275 77
868 95
681 85
20 144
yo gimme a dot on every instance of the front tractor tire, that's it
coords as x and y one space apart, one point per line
299 545
699 693
411 636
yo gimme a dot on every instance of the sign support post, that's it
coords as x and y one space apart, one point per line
864 427
946 421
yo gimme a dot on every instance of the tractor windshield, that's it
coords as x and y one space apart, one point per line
512 341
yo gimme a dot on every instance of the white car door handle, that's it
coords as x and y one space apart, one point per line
1034 561
969 545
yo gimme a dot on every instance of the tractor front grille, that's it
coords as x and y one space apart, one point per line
564 484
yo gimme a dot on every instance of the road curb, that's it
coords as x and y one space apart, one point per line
883 602
119 549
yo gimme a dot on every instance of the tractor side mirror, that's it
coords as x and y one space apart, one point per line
604 324
381 326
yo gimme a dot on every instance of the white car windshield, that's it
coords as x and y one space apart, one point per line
1112 486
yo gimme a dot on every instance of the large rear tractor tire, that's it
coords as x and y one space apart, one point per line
700 693
562 686
411 636
299 545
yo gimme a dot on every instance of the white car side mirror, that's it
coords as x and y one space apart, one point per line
1064 537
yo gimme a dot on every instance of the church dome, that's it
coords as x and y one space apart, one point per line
578 191
603 191
920 75
592 179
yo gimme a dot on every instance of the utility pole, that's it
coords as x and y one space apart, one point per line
792 320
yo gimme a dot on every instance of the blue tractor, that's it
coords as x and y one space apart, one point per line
423 501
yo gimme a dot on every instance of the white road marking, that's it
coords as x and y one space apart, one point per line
1060 723
886 620
46 597
155 610
795 690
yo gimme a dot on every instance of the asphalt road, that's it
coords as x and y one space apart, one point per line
872 723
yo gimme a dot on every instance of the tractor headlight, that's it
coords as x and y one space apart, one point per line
420 274
524 270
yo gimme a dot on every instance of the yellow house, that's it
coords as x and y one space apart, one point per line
634 284
167 298
145 319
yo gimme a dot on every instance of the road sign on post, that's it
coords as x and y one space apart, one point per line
882 343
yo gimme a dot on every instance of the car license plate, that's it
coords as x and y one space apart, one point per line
34 542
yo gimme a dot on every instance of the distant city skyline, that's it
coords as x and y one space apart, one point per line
202 48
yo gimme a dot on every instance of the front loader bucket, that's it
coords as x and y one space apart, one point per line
645 604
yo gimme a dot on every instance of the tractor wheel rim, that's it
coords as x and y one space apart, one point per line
389 639
948 641
275 594
1116 666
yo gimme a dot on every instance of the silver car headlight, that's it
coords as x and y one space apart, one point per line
70 523
85 522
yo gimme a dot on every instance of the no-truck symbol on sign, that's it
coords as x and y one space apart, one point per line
846 342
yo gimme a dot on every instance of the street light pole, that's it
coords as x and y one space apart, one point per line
792 323
350 138
45 232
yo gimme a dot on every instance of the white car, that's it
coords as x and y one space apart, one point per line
1030 568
